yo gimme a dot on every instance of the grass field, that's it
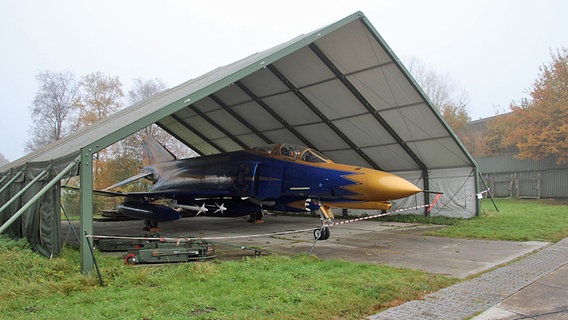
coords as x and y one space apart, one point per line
299 287
517 220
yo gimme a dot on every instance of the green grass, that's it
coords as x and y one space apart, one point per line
299 287
517 220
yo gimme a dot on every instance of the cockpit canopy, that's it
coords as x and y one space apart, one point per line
294 151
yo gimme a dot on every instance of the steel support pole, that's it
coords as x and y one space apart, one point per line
11 180
35 198
86 219
24 189
426 176
477 200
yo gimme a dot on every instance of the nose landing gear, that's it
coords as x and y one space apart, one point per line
321 233
326 216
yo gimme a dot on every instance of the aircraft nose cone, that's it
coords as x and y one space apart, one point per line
393 187
375 185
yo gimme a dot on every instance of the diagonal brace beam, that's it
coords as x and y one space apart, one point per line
275 115
35 198
195 109
197 133
240 119
325 119
24 189
11 180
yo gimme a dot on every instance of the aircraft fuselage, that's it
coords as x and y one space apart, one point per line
282 177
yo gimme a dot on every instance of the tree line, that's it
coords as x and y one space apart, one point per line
449 99
65 104
537 126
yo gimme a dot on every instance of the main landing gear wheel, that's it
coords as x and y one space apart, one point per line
322 233
151 225
256 217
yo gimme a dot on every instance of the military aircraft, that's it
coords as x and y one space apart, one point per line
279 177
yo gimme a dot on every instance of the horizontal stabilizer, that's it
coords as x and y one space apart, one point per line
129 180
99 192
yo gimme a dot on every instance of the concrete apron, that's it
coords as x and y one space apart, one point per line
372 241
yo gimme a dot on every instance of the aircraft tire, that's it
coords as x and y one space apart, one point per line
149 225
257 216
327 233
321 234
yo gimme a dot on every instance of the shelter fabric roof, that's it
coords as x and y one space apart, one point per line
339 89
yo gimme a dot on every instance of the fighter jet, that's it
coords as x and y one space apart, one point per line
279 177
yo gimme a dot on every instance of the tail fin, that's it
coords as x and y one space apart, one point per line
154 152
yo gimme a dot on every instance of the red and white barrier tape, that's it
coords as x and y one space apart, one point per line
479 196
167 239
429 206
375 216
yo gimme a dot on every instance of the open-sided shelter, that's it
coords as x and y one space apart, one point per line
339 89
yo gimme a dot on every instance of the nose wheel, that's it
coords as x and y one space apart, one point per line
321 233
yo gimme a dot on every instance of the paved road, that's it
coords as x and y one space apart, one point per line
534 287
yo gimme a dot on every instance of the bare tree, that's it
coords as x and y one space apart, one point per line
3 160
53 109
449 99
145 89
101 96
142 91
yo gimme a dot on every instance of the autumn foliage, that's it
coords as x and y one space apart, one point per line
538 127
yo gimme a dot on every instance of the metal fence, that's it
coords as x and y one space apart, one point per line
516 178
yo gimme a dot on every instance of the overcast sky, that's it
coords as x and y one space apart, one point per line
492 49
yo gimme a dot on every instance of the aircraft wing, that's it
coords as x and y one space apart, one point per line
176 193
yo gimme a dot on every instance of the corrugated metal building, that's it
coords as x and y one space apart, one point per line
508 176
